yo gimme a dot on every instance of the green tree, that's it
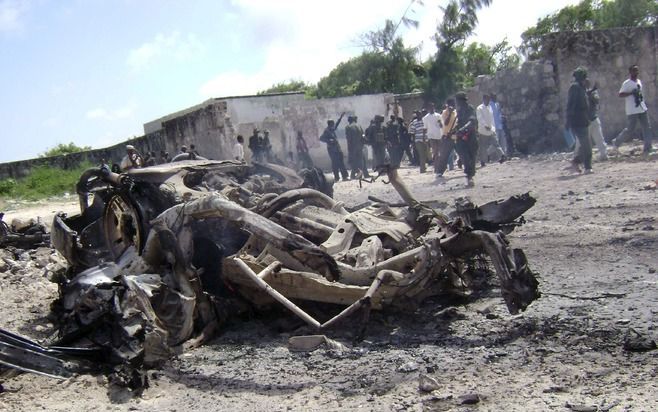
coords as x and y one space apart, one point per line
588 15
386 66
62 149
447 68
291 86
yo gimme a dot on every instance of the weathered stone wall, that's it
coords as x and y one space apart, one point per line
113 154
607 54
529 98
213 126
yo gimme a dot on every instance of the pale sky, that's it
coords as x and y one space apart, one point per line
94 71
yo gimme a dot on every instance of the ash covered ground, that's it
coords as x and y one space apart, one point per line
592 238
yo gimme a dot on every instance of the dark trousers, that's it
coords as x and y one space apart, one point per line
337 164
379 155
446 146
357 161
468 150
397 151
633 120
584 154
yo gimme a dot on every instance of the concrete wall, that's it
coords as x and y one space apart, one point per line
607 54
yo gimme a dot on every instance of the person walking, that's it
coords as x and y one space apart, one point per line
466 143
417 131
498 123
578 120
594 128
636 110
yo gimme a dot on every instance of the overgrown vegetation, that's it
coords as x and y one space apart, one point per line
292 86
42 182
589 15
62 149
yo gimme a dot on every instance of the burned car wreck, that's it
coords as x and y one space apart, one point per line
161 256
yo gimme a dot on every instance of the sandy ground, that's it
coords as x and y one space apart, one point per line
593 239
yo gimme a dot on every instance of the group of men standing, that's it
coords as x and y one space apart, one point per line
473 135
389 142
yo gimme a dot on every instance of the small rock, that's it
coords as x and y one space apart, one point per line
623 321
427 383
469 399
581 408
652 270
554 389
637 342
408 367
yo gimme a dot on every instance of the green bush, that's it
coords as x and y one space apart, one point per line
42 182
6 186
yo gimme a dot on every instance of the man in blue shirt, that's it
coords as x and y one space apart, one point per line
498 122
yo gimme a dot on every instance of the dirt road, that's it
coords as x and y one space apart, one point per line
593 239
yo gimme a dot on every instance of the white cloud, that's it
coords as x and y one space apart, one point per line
163 47
302 40
11 14
101 113
306 39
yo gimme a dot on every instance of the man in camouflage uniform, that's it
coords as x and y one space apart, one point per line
354 136
376 138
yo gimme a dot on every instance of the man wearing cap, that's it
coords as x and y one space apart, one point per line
417 132
132 159
333 148
466 142
578 120
636 109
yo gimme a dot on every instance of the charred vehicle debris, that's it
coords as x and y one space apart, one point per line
161 256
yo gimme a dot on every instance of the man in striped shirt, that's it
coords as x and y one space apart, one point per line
419 133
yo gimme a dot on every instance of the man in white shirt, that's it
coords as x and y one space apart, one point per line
238 149
487 140
636 109
433 128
